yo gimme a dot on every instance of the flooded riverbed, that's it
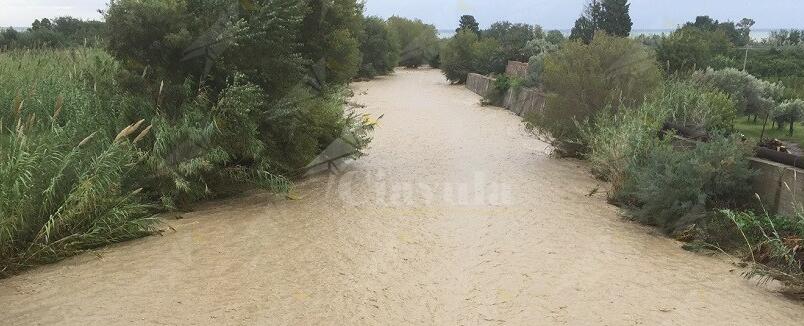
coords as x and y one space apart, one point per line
456 216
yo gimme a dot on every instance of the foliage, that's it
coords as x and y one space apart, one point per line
468 23
487 57
194 100
418 41
693 105
691 48
62 32
458 57
673 188
785 37
555 37
618 139
621 138
539 48
615 18
581 80
775 62
789 112
68 181
610 16
512 40
329 33
752 95
171 42
738 34
500 87
379 47
772 243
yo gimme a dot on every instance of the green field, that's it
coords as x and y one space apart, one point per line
754 130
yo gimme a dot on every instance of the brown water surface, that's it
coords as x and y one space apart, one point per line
457 216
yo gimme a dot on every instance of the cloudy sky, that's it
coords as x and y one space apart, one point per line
560 14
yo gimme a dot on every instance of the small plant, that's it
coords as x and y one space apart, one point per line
774 244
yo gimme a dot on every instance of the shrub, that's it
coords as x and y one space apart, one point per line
581 80
696 106
672 188
619 139
752 95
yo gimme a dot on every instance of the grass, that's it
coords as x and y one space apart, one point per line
752 130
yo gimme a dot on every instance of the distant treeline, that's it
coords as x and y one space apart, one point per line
60 32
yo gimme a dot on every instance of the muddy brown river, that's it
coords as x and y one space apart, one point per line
456 217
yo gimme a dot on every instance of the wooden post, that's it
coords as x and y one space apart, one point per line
745 59
762 135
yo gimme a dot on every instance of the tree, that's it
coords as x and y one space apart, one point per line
789 112
555 37
41 24
582 80
379 47
752 95
744 27
458 56
468 23
738 34
329 34
513 39
8 37
584 30
610 16
615 18
690 48
418 41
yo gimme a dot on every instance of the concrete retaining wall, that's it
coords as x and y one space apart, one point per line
524 101
479 84
521 101
516 69
779 186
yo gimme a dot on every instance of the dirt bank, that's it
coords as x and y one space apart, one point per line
455 217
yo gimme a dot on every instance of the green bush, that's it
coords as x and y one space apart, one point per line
582 80
753 96
693 105
618 140
672 188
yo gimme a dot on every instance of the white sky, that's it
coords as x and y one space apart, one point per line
560 14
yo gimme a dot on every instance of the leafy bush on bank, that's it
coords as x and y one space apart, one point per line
582 80
95 144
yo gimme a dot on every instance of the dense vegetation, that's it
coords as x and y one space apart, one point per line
488 51
61 32
619 103
171 103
